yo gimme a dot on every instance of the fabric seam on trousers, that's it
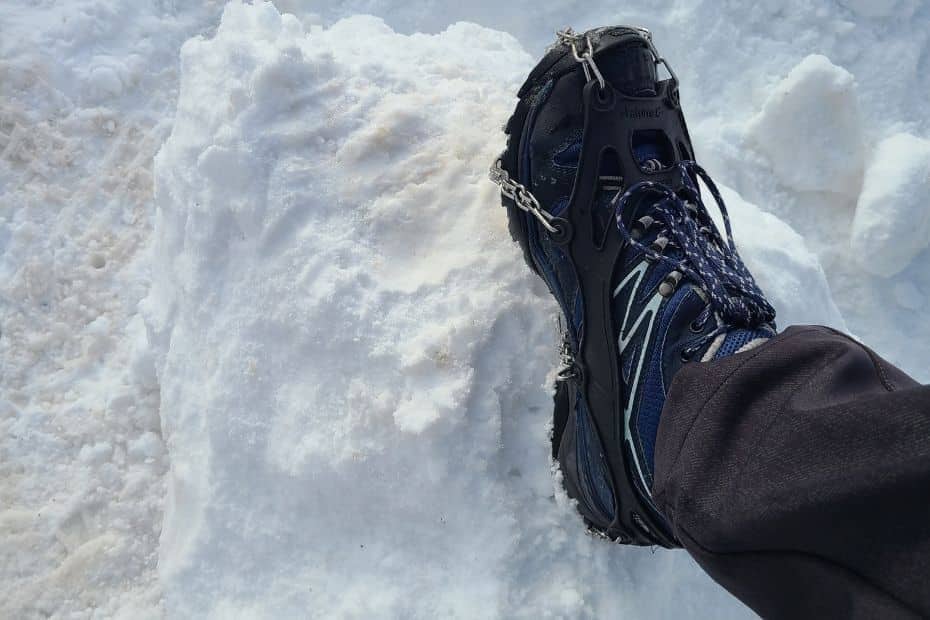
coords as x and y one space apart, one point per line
876 361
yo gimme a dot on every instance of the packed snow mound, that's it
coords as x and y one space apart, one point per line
892 222
810 128
352 354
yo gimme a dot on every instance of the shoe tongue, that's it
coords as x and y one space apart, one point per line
646 151
738 339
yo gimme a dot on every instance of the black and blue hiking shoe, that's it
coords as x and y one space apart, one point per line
601 190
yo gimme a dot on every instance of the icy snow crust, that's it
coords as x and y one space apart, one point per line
333 398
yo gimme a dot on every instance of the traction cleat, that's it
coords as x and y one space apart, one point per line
602 194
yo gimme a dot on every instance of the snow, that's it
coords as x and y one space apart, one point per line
883 8
892 222
810 128
87 91
784 267
294 361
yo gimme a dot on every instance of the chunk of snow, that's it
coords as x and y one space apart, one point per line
146 446
892 221
103 84
347 313
95 454
810 128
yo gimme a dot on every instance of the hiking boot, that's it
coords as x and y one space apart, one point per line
602 194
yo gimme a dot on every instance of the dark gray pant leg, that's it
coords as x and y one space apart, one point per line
798 476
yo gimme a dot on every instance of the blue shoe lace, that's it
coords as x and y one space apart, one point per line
705 257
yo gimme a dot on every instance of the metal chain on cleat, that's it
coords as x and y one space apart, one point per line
521 196
568 368
659 60
583 51
569 37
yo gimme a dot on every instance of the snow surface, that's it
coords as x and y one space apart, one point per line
892 222
309 371
811 129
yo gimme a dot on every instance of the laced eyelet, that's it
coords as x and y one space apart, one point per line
697 327
702 252
686 355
